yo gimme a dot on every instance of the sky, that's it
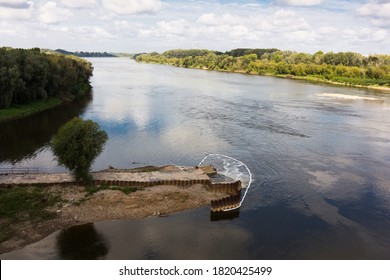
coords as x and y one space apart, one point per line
135 26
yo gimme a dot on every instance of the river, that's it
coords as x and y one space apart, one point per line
319 155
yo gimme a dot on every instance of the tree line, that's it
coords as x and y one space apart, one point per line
86 54
28 75
344 67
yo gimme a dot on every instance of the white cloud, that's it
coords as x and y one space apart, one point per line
377 11
168 29
15 10
300 36
17 4
78 3
365 35
220 25
175 27
277 21
6 29
326 30
11 2
228 28
213 19
51 13
287 20
93 32
133 6
301 2
370 35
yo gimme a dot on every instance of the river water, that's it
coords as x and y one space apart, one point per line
319 154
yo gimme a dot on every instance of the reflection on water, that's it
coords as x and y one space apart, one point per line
21 140
321 185
187 235
221 216
81 242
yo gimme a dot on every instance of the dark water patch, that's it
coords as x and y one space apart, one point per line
221 216
24 138
81 242
281 239
368 209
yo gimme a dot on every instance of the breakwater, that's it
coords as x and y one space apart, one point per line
184 177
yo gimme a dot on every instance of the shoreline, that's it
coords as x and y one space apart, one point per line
300 78
23 111
27 110
36 205
319 80
76 207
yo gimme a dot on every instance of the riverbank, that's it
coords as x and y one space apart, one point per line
22 111
29 213
311 79
324 81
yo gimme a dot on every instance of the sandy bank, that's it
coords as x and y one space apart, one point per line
78 206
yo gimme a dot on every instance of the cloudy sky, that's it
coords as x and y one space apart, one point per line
158 25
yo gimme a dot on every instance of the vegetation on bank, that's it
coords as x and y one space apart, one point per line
86 54
92 189
35 204
21 111
343 67
29 75
20 204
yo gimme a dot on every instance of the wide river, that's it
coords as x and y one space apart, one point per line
319 155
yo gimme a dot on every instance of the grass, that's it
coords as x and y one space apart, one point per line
341 81
21 111
24 203
29 203
94 189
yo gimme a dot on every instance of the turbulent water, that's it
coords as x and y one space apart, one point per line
319 155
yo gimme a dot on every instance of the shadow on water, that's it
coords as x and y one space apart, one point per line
221 216
23 138
81 242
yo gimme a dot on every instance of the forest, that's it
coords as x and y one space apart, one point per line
30 75
343 67
86 54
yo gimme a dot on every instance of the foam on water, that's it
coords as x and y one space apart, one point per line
346 96
231 168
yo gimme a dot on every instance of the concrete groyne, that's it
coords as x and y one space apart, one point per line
183 177
233 189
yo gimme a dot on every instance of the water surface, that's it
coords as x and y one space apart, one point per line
320 164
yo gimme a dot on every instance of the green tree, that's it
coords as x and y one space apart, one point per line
76 146
30 75
345 67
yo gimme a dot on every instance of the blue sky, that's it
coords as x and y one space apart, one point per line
159 25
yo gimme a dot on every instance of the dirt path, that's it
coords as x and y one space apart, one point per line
140 175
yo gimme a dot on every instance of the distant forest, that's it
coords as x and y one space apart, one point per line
86 54
343 67
28 75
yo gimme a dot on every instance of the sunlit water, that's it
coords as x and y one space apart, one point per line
319 155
